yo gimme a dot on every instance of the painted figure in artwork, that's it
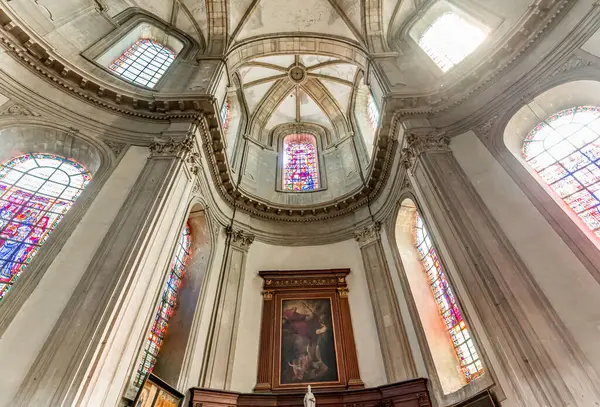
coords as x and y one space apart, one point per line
308 347
309 398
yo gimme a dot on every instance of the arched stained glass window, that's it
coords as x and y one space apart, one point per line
166 307
144 63
373 112
225 114
564 150
450 39
36 191
300 163
452 317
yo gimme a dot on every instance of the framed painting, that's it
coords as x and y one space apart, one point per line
306 334
157 393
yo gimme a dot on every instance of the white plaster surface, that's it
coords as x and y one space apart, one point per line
345 254
27 333
569 287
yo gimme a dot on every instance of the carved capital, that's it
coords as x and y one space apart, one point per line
343 292
240 239
172 147
421 141
268 295
368 234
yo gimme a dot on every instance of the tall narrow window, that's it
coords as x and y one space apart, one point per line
166 307
36 191
300 163
144 63
225 114
450 39
564 150
452 317
373 112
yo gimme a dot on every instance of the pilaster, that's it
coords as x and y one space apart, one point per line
513 312
218 368
397 357
73 352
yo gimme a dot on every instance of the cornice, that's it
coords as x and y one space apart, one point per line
530 29
43 61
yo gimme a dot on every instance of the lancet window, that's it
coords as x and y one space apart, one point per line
300 163
450 39
166 307
144 63
451 315
225 114
564 150
372 112
36 191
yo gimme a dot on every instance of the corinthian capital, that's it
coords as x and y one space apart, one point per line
368 234
240 239
420 141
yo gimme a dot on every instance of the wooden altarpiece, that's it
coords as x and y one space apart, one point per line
306 334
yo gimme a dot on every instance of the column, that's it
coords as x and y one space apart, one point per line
265 358
78 343
218 368
540 362
397 356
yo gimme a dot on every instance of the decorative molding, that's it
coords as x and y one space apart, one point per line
420 141
369 234
484 130
239 239
115 146
172 147
16 109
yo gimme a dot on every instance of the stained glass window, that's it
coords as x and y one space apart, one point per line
225 114
166 307
36 190
300 163
564 150
452 317
144 62
373 112
450 39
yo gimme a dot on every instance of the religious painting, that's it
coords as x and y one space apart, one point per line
308 352
306 332
156 393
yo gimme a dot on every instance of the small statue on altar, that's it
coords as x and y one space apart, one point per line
309 398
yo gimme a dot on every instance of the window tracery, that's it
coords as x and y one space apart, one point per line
144 63
450 39
300 163
36 191
447 305
166 307
564 150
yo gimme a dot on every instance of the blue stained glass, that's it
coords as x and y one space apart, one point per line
457 328
166 307
31 206
568 161
373 112
300 163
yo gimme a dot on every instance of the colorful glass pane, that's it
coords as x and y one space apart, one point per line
564 150
225 114
373 112
144 63
166 307
36 190
300 163
450 39
447 305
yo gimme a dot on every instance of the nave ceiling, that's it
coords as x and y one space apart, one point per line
330 45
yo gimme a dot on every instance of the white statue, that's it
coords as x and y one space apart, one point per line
309 399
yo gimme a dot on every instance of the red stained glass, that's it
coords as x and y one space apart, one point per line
569 161
166 308
300 163
35 191
457 328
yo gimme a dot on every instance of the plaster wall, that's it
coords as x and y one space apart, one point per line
569 287
46 303
345 254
